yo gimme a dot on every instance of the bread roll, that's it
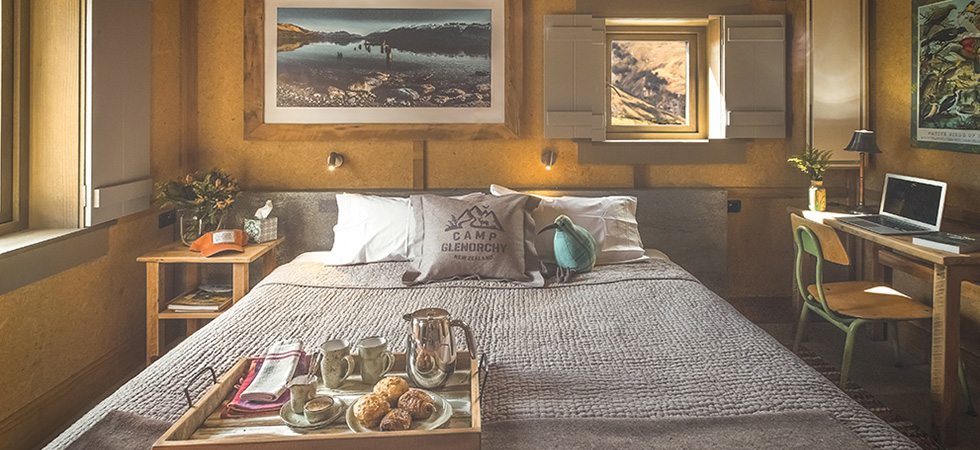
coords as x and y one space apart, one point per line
392 388
396 420
418 403
370 409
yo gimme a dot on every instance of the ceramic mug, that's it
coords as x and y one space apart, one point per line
375 358
301 390
336 363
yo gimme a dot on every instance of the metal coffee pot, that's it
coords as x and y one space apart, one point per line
430 350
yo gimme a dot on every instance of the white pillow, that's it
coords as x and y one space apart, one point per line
611 220
371 229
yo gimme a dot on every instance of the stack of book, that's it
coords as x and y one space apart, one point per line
202 300
948 242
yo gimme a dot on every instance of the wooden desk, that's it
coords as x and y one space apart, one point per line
949 271
159 261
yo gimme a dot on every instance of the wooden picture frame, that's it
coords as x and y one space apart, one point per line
256 127
940 74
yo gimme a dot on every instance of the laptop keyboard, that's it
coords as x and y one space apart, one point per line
893 223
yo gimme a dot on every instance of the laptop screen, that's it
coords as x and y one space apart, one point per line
913 200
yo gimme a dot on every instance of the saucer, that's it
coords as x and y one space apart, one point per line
298 420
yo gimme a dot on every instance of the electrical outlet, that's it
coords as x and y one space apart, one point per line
167 219
734 206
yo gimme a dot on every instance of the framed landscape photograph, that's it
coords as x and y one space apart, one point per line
386 69
946 75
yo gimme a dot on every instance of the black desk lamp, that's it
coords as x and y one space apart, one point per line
865 143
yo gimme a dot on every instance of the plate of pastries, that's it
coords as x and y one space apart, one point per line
394 406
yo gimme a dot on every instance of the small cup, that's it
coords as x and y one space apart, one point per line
337 364
375 358
318 408
301 390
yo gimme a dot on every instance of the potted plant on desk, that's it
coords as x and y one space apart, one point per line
814 163
201 200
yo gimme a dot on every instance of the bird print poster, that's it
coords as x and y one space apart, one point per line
946 77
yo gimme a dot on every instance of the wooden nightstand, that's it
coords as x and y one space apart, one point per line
161 267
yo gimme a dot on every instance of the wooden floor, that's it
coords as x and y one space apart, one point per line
766 309
905 390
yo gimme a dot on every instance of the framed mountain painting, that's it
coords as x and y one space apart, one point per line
946 75
393 69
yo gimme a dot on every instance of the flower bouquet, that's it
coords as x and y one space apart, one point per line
201 199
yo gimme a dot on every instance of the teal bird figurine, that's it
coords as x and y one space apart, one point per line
575 248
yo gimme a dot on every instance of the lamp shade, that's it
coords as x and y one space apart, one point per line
863 141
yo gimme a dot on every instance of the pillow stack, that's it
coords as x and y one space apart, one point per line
476 235
611 220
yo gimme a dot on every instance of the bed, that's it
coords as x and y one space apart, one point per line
643 342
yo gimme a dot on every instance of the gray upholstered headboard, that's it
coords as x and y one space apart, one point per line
688 224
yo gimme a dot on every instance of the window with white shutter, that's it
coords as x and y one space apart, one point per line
753 76
610 79
574 77
117 122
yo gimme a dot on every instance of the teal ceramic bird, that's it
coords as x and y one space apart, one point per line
575 248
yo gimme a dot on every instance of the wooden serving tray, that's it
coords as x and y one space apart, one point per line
202 427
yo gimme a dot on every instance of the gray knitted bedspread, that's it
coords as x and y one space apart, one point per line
631 341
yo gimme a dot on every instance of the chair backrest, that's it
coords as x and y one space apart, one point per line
829 243
823 243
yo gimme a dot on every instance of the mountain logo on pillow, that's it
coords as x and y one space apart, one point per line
478 217
474 235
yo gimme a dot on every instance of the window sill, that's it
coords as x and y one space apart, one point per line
32 255
660 152
656 141
26 240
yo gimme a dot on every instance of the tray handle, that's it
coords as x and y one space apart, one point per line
483 371
187 389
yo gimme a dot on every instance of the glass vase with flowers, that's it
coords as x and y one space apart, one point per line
202 200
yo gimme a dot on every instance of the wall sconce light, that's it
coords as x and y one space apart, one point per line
549 158
334 161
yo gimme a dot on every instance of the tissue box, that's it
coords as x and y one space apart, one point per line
262 230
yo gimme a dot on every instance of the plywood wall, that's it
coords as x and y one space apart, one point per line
892 117
300 165
892 79
59 327
762 173
70 337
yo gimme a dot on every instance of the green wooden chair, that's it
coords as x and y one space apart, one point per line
850 304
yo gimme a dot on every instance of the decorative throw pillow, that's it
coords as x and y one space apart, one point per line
476 236
371 229
611 220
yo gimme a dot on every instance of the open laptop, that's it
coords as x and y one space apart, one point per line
908 206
